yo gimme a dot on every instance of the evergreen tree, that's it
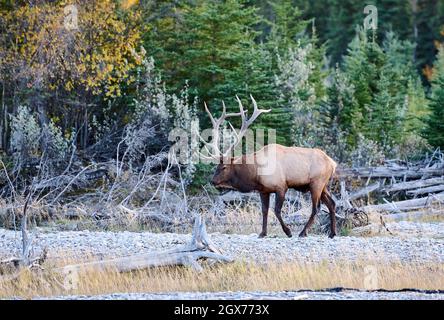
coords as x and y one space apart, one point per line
385 87
342 18
429 19
204 44
287 26
402 69
434 131
396 16
417 106
340 116
384 117
298 62
362 65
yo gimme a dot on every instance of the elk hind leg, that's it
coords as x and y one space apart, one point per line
330 203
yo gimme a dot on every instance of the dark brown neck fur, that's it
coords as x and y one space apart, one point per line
244 178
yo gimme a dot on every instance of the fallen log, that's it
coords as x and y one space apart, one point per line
406 204
365 192
201 247
427 190
415 184
396 172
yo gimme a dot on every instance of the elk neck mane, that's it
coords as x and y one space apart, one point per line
244 178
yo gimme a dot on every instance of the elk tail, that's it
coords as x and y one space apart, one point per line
337 172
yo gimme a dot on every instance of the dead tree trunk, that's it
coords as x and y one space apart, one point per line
201 247
26 260
406 204
415 184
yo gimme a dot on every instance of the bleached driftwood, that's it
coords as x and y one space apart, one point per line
344 201
389 172
427 190
415 184
406 204
365 191
201 247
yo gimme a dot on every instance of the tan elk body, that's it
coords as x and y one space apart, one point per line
275 169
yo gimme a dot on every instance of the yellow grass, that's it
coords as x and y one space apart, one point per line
239 276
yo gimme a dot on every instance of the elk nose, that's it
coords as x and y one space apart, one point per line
214 181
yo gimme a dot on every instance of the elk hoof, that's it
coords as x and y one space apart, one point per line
303 234
288 233
331 235
262 234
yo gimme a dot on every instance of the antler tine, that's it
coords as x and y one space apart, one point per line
241 108
243 115
214 145
223 115
256 111
213 122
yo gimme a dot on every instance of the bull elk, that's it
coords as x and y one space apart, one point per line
303 169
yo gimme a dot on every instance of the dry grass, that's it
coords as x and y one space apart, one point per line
238 276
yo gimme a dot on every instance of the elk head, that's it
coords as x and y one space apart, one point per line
224 174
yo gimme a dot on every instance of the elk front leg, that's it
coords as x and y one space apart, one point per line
265 200
315 199
280 197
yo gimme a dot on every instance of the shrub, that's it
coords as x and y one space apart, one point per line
25 135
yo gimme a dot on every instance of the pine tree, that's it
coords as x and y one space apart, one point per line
287 26
406 84
417 106
342 18
429 19
362 65
384 117
340 116
396 16
385 87
434 131
204 44
298 62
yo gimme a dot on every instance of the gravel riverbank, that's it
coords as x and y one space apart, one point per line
79 244
263 295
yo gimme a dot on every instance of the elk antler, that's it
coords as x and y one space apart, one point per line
215 152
